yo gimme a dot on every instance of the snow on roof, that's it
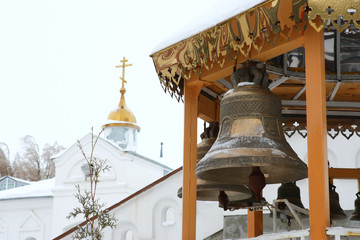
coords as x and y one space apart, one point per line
58 154
15 179
136 154
33 190
152 161
118 148
216 12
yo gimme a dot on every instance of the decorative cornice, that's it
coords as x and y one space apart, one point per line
225 42
245 32
346 132
340 14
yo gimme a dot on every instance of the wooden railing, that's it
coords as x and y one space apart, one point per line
297 234
337 232
334 232
303 234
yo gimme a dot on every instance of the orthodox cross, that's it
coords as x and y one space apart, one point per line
123 70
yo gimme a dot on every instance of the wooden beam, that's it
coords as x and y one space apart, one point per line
208 109
344 173
282 46
218 72
317 134
190 151
269 51
254 223
221 86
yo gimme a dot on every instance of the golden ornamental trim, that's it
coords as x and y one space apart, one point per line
340 14
227 41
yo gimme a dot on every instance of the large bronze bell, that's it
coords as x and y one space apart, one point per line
336 212
212 191
251 139
355 216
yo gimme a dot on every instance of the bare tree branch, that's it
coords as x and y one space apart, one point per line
91 208
30 165
5 165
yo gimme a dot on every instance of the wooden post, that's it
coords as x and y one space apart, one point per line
317 134
254 223
190 151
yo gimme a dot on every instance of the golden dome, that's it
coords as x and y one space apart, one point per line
122 115
122 112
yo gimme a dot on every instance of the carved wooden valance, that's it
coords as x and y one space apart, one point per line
245 32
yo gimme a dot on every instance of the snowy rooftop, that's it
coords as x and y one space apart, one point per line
16 179
157 162
212 14
34 190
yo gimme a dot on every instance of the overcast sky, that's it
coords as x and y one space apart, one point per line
58 75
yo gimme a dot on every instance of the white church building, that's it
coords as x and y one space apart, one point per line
142 193
38 211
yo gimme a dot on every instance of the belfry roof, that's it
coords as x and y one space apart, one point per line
263 30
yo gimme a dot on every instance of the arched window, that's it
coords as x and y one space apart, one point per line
168 218
129 235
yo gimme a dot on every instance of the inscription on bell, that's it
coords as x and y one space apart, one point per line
271 127
247 127
225 128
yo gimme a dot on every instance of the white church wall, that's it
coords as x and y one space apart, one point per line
209 218
3 229
140 172
128 173
126 230
147 212
156 214
31 227
357 161
25 219
68 165
165 218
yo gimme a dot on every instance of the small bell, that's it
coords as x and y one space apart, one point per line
291 192
355 216
208 138
336 212
213 191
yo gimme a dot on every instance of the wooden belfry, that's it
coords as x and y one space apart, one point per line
197 71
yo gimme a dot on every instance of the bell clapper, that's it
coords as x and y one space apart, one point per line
223 199
257 182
